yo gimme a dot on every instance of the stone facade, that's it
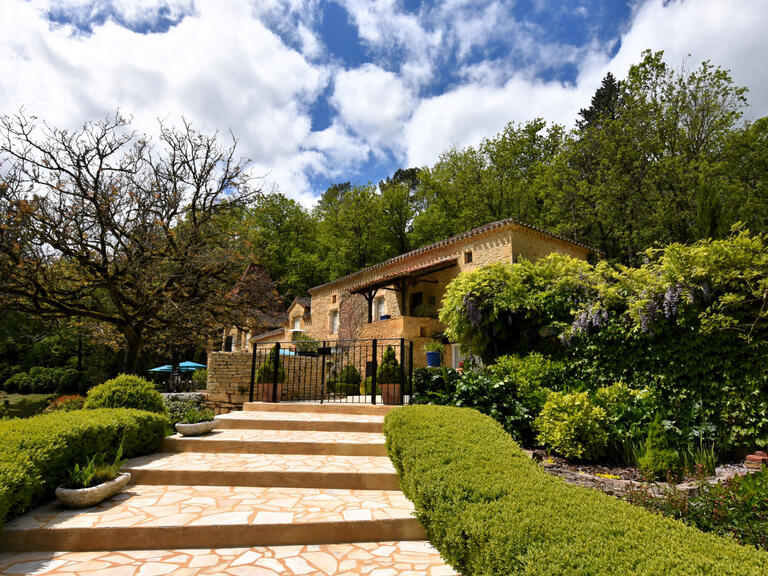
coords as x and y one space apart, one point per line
338 310
505 241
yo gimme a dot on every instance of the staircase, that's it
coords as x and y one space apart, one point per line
307 487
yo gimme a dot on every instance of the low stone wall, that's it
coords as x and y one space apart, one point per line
229 379
229 376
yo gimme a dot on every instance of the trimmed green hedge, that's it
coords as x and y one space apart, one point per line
36 454
489 509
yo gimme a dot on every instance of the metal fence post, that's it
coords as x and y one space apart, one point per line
253 371
276 375
410 371
322 376
402 368
373 373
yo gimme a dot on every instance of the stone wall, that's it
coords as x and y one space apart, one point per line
229 378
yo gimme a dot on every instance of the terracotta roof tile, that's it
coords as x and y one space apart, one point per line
449 241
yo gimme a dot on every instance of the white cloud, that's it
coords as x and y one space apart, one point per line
727 32
373 103
220 67
257 68
472 112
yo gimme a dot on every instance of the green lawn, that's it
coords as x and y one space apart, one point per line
25 405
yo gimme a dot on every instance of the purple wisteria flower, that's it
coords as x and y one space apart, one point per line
473 311
671 300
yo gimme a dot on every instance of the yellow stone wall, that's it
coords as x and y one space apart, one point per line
494 246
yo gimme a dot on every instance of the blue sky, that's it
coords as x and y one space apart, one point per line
321 91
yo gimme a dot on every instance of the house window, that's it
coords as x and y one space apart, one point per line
333 299
381 307
297 323
228 341
334 322
456 356
468 257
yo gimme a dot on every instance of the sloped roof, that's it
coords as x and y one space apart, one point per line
508 222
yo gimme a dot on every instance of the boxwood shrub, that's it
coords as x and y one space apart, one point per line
489 509
36 454
126 391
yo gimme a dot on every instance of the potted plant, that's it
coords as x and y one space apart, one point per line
196 422
434 350
266 376
96 481
388 377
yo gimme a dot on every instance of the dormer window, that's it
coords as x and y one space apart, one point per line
297 323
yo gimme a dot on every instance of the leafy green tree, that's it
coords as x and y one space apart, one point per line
503 177
281 235
349 229
398 208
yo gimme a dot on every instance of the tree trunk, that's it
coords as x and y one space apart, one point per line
133 340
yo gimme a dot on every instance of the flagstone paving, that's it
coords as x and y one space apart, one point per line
284 510
141 505
304 416
372 558
207 461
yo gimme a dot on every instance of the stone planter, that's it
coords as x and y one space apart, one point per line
84 497
195 429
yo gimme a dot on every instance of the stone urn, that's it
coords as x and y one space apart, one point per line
197 429
84 497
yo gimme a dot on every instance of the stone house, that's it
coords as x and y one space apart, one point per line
397 298
400 297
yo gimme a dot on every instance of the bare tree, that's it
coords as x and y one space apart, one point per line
100 223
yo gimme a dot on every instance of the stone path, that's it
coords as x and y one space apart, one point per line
276 489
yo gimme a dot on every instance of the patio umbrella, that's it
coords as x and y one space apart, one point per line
166 368
187 365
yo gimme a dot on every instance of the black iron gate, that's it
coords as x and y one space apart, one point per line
353 371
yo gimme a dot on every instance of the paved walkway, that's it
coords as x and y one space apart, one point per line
276 489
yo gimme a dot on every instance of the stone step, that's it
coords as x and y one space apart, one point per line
289 470
315 407
280 442
327 422
377 558
169 517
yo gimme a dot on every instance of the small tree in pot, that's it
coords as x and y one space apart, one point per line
266 376
388 377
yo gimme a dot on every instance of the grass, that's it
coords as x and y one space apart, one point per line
25 405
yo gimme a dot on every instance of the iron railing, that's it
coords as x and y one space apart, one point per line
332 371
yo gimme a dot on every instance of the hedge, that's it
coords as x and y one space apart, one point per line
489 509
36 454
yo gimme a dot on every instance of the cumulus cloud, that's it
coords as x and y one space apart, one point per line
373 103
729 33
445 74
220 66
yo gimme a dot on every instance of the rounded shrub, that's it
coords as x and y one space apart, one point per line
200 378
572 426
347 381
388 371
126 391
659 460
266 372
